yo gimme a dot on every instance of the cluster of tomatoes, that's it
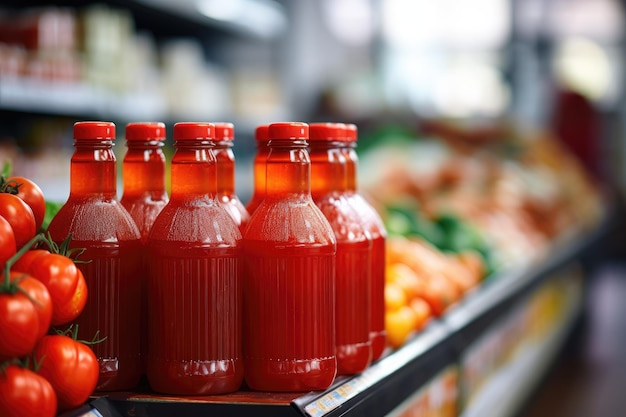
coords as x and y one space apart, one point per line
43 369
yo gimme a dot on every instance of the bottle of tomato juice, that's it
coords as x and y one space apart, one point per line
376 228
354 245
101 225
194 288
289 253
143 174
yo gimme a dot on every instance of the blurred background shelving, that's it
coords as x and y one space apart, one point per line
255 61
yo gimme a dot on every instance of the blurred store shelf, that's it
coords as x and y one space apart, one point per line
588 378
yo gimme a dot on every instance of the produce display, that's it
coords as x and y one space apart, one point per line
44 369
460 205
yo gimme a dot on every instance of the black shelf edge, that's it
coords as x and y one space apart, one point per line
385 383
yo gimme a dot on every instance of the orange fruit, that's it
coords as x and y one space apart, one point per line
422 310
395 297
474 263
406 278
440 294
399 324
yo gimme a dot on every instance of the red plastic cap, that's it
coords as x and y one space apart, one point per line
327 132
352 132
261 134
194 131
145 131
291 130
224 131
94 130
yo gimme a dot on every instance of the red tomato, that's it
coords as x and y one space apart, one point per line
7 241
23 393
19 325
32 195
25 261
19 216
60 275
69 311
39 296
71 367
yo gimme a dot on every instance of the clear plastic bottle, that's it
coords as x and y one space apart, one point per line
226 195
260 159
194 284
289 252
354 245
143 171
99 223
376 228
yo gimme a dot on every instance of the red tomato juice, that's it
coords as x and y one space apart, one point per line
113 310
354 349
195 337
286 319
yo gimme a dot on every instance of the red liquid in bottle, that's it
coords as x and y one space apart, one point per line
194 288
144 193
99 223
260 159
289 251
376 228
352 279
224 137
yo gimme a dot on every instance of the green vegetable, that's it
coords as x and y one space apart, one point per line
52 208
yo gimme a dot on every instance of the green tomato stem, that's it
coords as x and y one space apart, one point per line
39 237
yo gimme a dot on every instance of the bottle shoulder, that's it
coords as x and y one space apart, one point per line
197 220
290 222
370 218
344 219
94 219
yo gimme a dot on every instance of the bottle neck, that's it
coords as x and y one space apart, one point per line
328 169
144 168
93 168
193 169
225 170
352 164
260 168
288 168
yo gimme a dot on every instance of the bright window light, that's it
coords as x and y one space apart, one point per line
447 23
351 21
583 65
